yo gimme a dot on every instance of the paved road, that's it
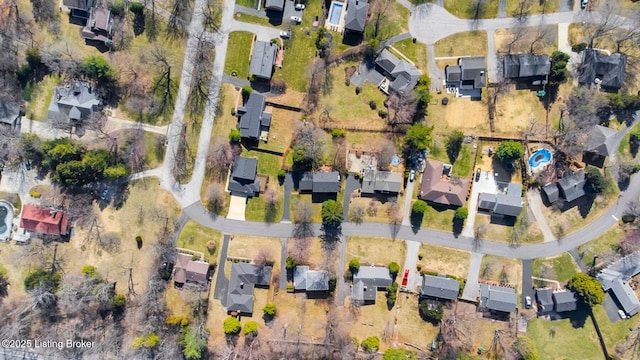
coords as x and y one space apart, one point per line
288 187
472 287
351 184
222 283
435 73
527 281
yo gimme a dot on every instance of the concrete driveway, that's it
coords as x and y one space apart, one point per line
485 184
237 206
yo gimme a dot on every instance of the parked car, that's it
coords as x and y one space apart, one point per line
412 175
477 174
285 34
104 195
300 6
527 302
296 19
584 4
622 314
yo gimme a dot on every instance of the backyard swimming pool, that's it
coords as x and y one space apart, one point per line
335 13
540 158
6 219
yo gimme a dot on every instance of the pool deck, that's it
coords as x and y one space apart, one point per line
333 27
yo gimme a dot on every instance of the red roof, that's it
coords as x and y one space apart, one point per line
44 220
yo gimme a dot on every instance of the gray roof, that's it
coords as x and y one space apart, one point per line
317 280
607 276
473 72
526 65
326 182
545 299
387 61
244 278
243 181
375 276
262 59
486 201
626 296
252 116
74 103
403 75
572 185
552 192
356 17
363 291
78 4
9 112
306 182
453 73
601 140
498 298
300 277
381 181
565 301
608 69
277 5
439 287
510 202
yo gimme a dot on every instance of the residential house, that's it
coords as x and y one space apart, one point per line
545 299
356 16
254 122
79 8
565 300
468 74
274 5
400 75
10 115
604 70
600 144
315 283
572 185
99 26
531 68
382 182
44 221
263 57
497 298
368 281
243 181
439 287
321 182
244 279
507 202
552 192
73 104
438 186
188 270
614 282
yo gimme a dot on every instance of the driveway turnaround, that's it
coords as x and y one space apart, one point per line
237 206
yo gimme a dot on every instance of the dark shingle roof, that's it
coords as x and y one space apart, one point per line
356 17
277 5
403 75
76 102
526 65
243 180
439 287
473 72
300 277
387 61
545 299
363 291
252 116
438 189
510 202
572 185
326 182
388 182
244 278
601 140
262 59
486 201
608 69
565 301
306 182
453 73
317 280
498 298
9 112
626 296
78 4
552 192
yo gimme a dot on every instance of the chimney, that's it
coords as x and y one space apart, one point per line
242 285
365 288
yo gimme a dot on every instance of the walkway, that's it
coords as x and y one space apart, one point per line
535 208
472 287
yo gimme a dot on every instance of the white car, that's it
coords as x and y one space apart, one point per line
584 4
296 19
412 175
285 34
622 314
527 302
300 6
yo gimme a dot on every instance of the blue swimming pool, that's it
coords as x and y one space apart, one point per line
540 158
335 13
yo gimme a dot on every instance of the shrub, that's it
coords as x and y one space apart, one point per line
89 271
430 314
419 266
145 341
211 247
373 105
371 344
269 310
136 8
418 208
394 269
290 263
392 291
139 241
358 90
177 320
233 111
118 301
383 114
461 213
281 175
509 151
595 181
246 91
526 348
250 328
35 194
42 277
338 133
587 288
578 47
234 135
420 256
232 326
354 266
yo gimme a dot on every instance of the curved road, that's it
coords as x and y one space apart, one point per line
428 23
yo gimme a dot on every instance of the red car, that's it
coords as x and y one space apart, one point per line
405 278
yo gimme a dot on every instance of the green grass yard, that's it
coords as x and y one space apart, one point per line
416 52
195 237
468 43
238 59
614 333
466 9
563 266
248 3
535 7
154 154
257 210
439 219
603 246
42 94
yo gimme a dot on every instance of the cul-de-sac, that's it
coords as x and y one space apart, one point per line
320 179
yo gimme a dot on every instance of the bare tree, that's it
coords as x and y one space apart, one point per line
303 219
517 34
524 7
179 18
387 150
630 242
608 22
122 33
372 208
356 213
219 158
379 9
62 56
311 140
215 198
541 34
264 257
402 108
586 108
300 249
453 340
44 10
200 76
164 83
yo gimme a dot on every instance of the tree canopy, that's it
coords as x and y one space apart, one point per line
331 213
419 136
526 348
587 288
398 354
371 344
509 151
232 326
454 144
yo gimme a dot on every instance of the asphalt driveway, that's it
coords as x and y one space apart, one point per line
222 283
527 281
288 187
352 184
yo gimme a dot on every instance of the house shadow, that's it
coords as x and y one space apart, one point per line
577 318
275 17
77 20
322 197
352 39
583 203
261 85
502 220
502 172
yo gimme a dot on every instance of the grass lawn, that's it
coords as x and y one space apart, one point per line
260 20
345 106
375 251
517 109
315 253
569 342
439 218
381 215
563 266
268 164
249 246
464 163
497 231
466 9
416 52
535 7
225 121
281 131
468 43
248 3
547 43
445 260
394 22
42 94
238 59
492 268
614 333
258 210
605 246
155 153
455 115
195 237
623 148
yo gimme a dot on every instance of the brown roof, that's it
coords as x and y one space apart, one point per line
442 189
187 269
43 220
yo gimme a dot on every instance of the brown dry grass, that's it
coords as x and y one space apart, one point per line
283 124
566 222
471 117
381 216
442 63
513 268
468 43
518 110
445 260
290 97
547 45
315 251
375 251
249 246
477 330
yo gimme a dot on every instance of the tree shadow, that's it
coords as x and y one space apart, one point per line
456 227
270 212
416 221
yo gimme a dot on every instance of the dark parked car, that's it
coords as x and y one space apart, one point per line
477 174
